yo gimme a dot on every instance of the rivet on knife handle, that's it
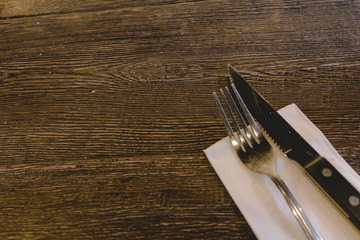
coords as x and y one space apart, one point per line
337 188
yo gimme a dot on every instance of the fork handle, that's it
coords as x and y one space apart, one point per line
296 209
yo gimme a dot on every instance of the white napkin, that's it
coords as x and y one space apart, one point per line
262 204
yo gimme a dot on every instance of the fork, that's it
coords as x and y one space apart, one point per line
255 151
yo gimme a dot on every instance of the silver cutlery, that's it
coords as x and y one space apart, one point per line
255 151
335 186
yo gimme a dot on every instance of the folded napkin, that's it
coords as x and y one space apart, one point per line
262 204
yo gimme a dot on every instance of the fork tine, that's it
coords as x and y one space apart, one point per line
244 133
227 124
233 135
255 129
230 111
239 132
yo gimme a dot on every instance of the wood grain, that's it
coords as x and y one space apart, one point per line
106 106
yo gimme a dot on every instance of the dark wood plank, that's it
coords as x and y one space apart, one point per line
123 197
106 106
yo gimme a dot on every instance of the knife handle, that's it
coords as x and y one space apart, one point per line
337 188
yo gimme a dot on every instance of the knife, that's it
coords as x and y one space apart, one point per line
318 168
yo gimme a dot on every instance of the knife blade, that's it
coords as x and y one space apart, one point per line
318 168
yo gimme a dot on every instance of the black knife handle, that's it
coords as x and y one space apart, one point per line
343 194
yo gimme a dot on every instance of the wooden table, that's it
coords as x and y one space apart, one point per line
106 106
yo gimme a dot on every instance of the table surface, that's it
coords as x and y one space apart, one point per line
106 106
